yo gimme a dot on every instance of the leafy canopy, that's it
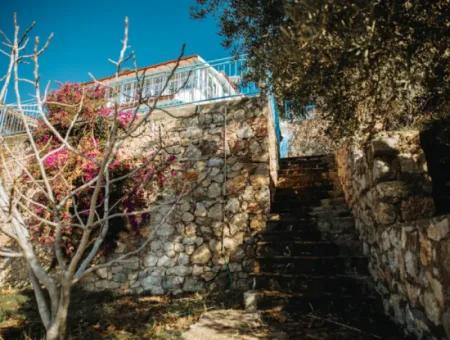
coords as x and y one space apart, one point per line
369 65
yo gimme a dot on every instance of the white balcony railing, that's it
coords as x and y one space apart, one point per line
198 82
11 121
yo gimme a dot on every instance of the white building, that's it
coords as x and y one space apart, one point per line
194 80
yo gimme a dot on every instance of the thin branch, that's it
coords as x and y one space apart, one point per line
5 252
123 257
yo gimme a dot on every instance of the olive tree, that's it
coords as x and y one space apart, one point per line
368 65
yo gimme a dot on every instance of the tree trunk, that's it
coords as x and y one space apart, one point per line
58 325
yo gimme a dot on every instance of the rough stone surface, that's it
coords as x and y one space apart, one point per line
201 255
228 187
387 186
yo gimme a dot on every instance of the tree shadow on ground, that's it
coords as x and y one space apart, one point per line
110 315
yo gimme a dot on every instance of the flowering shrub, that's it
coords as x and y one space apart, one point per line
81 112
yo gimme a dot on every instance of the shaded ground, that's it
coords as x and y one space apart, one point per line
227 324
107 315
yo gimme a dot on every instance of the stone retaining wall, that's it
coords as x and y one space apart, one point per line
387 185
207 241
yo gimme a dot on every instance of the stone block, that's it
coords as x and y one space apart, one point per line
437 230
381 170
251 300
187 217
165 230
200 210
201 255
214 190
432 308
215 212
245 132
385 213
192 285
384 145
151 282
215 162
232 205
392 191
102 273
417 207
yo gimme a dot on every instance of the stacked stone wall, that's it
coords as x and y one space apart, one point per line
207 242
387 185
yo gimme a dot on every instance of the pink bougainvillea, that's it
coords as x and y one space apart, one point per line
105 112
56 158
89 166
69 170
125 118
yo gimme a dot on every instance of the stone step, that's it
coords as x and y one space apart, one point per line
291 207
306 188
312 265
320 303
297 224
313 160
305 193
357 323
294 235
323 213
293 162
313 285
316 172
331 202
302 248
303 176
289 217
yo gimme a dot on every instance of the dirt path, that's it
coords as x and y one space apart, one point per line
226 324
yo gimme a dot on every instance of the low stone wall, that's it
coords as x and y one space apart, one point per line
207 241
386 183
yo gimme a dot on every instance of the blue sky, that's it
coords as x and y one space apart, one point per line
88 32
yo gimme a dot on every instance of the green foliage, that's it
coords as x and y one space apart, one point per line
369 65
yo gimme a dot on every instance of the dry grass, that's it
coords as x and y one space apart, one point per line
108 315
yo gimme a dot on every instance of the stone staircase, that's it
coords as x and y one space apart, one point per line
309 277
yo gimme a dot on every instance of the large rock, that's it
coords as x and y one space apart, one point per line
245 132
385 213
201 255
200 210
215 212
432 308
232 205
192 285
239 222
187 217
438 230
165 230
153 283
214 190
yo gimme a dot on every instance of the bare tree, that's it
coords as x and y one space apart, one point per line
27 185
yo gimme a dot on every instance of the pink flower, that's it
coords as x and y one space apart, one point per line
105 112
56 158
125 118
89 166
